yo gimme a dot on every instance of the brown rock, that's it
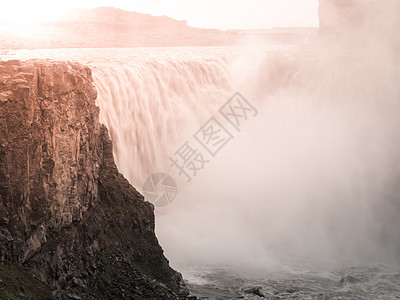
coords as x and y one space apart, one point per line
66 213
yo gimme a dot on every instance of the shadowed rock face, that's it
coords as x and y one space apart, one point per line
66 213
49 131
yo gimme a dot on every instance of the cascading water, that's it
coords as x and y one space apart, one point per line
313 176
311 180
150 106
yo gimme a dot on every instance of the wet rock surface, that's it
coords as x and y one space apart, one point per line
66 214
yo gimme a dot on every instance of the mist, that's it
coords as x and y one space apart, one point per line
295 195
314 178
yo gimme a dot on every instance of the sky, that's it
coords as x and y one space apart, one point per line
221 14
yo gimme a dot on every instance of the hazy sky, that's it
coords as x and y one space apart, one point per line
222 14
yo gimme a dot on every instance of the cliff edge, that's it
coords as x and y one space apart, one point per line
67 216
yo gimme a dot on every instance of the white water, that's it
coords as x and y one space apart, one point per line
313 179
149 107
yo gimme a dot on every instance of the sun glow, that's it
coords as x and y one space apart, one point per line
25 19
30 11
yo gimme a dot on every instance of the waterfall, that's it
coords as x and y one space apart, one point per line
150 106
314 174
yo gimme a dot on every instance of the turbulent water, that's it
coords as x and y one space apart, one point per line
309 173
355 282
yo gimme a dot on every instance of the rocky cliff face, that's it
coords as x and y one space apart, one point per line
66 214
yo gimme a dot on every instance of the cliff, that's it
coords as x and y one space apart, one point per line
68 218
107 27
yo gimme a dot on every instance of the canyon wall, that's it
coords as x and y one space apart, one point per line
67 216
